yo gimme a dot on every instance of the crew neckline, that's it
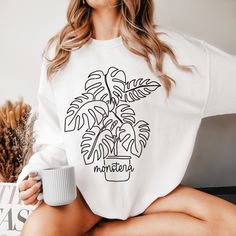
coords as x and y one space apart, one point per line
106 42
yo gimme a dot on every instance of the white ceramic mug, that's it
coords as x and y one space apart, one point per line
58 185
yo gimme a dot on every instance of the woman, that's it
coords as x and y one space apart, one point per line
112 113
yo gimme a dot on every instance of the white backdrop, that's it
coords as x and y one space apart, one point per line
26 25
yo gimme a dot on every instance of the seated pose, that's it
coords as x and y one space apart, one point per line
121 99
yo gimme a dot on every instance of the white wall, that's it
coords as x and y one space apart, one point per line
26 25
211 20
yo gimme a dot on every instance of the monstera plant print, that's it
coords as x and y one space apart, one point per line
113 134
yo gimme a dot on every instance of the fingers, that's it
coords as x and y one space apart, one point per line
33 177
33 174
32 199
26 184
35 202
25 194
30 188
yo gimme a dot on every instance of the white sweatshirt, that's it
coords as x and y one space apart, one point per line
107 114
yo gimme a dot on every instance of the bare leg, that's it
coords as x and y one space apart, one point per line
184 211
72 219
158 224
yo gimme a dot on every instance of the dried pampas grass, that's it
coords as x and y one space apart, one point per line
16 138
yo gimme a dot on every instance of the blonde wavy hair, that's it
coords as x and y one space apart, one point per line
137 26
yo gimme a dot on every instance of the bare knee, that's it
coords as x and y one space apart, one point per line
41 220
222 223
50 221
72 219
217 228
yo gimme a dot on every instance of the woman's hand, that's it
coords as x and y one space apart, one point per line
29 189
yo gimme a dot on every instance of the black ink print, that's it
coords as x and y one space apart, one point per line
113 135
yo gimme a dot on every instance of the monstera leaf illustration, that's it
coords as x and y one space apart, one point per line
107 87
122 114
134 138
112 122
111 127
139 88
96 144
142 133
125 113
82 108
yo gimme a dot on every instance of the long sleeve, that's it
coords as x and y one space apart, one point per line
48 148
221 75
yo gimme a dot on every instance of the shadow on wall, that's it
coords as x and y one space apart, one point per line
213 162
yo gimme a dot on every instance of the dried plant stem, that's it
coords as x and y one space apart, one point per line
16 138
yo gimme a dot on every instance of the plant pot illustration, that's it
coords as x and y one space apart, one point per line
112 133
117 168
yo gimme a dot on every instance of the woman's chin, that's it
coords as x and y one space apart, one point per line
99 4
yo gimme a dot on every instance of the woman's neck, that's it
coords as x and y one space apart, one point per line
106 23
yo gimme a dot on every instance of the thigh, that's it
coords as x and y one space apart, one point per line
198 204
72 219
191 201
185 208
